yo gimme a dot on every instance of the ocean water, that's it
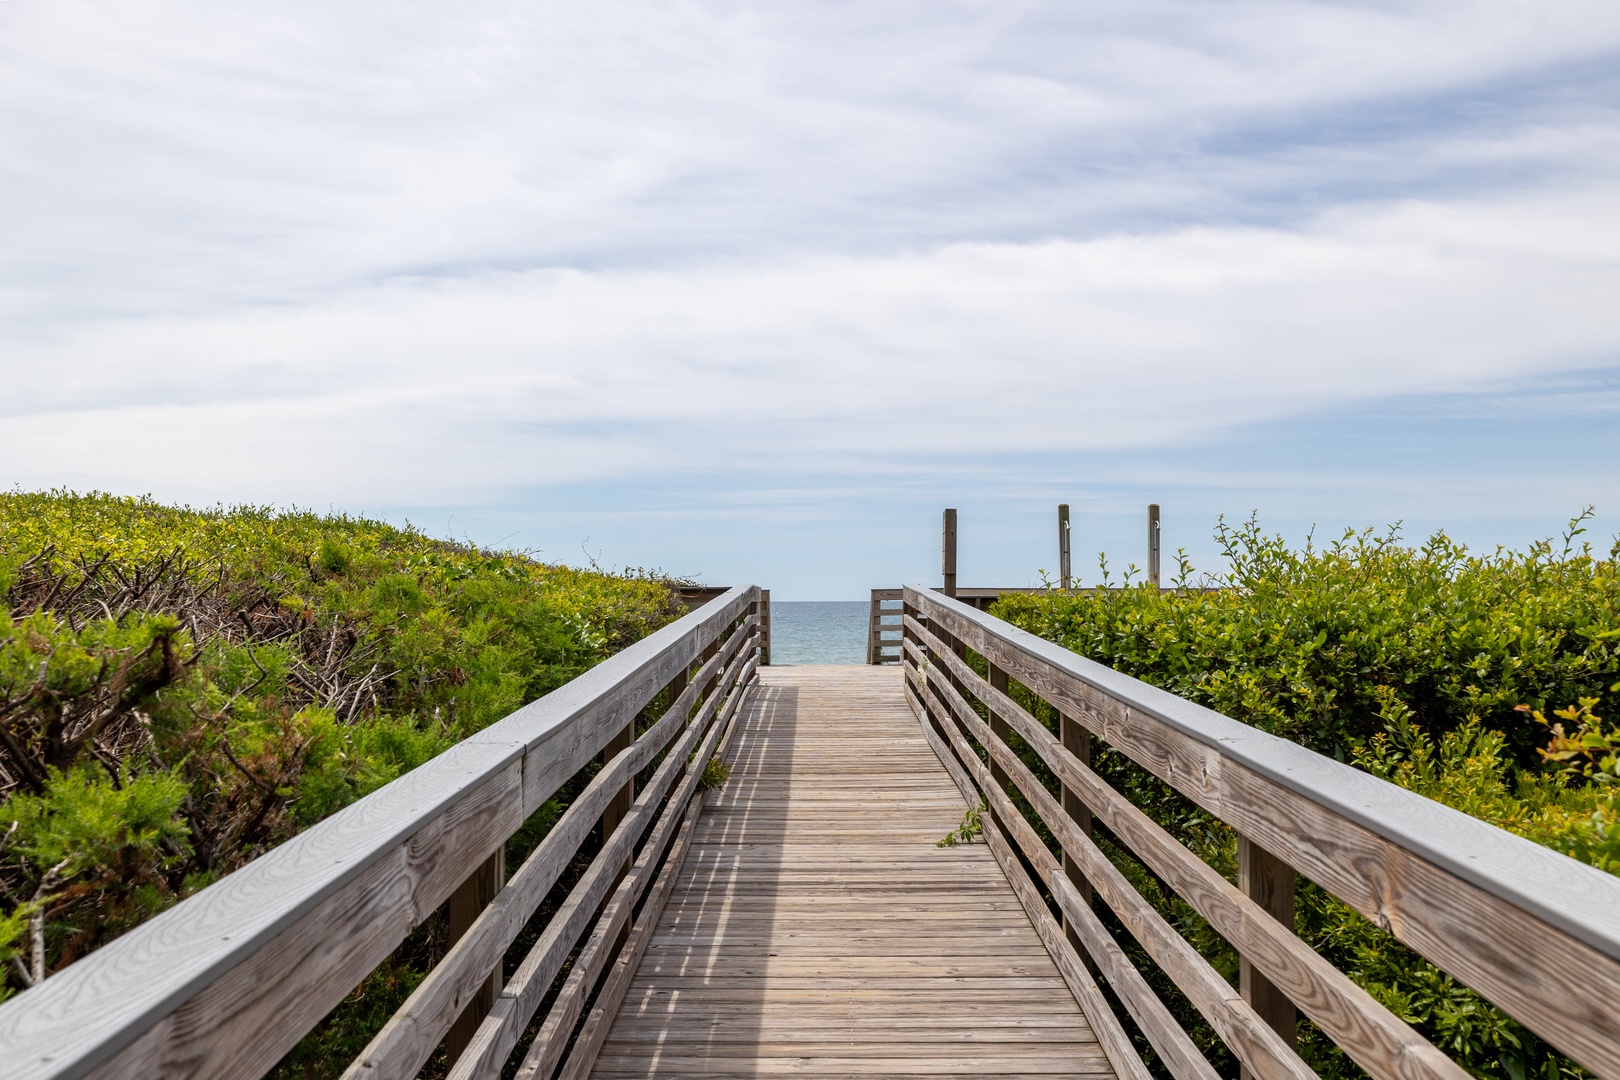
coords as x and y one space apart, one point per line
819 631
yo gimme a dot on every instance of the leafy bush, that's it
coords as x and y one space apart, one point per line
181 690
1429 666
715 774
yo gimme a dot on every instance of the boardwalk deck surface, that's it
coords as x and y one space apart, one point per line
817 929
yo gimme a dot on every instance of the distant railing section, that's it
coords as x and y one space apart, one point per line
695 596
1535 932
883 627
883 630
227 982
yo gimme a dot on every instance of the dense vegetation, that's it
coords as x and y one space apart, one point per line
1476 680
181 690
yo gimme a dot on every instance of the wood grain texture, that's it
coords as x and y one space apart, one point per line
547 1049
1374 1037
1116 1044
230 979
248 1017
498 1034
1255 1045
1172 1043
1269 882
1535 932
410 1036
582 1055
1181 1057
466 904
816 928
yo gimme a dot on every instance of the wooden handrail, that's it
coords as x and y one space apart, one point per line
1535 932
226 982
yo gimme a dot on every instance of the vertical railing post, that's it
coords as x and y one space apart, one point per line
619 805
678 684
948 552
764 627
1153 544
1063 546
466 904
874 614
1269 882
999 727
1077 741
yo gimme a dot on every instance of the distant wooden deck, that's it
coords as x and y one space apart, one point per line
816 928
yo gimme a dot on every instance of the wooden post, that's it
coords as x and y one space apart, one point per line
678 684
1077 741
764 627
1153 544
1269 882
1063 545
619 806
948 560
999 727
466 904
874 614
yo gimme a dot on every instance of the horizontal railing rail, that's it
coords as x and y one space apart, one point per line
228 981
1535 932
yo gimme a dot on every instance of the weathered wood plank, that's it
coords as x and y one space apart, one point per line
1116 1044
1248 1037
582 1056
500 1030
1373 1036
1173 1045
548 1046
815 883
1458 891
413 1032
230 979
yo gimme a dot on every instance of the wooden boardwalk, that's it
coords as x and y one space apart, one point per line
816 928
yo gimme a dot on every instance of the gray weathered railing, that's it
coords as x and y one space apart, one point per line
883 627
1536 933
225 983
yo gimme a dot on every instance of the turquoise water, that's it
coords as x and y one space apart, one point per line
819 631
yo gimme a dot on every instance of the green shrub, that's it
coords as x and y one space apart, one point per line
1429 666
181 690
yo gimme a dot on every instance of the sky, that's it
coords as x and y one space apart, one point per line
750 292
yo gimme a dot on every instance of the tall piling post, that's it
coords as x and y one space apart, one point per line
1153 544
1063 545
948 552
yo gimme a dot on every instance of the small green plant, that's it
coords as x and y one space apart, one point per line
971 829
715 775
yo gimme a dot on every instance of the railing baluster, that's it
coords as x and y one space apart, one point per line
1077 741
619 805
466 904
998 726
1269 882
764 610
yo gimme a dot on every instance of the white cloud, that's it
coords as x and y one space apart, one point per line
451 392
164 156
431 254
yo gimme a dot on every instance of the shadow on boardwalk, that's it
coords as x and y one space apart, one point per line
817 929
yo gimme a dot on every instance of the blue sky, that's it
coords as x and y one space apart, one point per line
753 291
